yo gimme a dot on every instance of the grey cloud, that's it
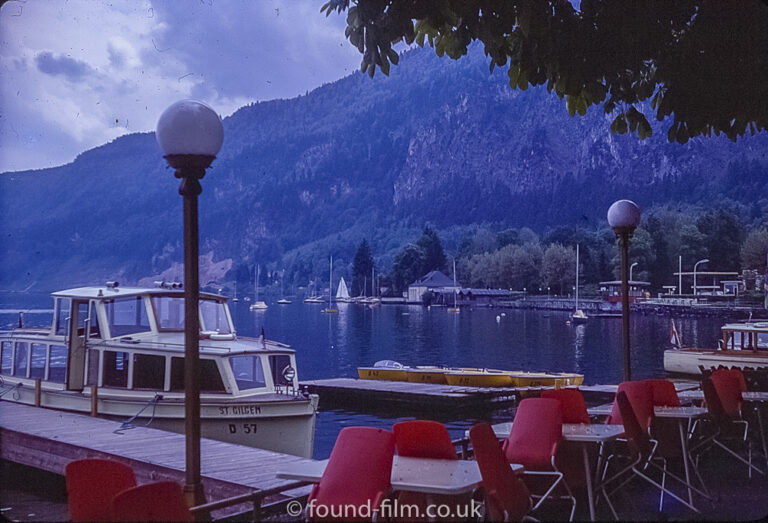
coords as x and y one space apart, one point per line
73 70
116 57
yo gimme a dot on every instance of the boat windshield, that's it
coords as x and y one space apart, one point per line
248 372
169 312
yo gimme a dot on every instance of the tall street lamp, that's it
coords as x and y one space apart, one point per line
190 134
624 217
705 260
630 270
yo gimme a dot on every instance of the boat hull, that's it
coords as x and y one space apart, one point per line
427 375
479 379
687 361
382 373
284 425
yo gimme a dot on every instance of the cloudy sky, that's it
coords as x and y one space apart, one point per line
76 74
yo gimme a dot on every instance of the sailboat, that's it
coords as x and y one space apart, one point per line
331 309
578 315
283 301
373 301
342 293
258 305
455 307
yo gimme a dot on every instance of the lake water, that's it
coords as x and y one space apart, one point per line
334 345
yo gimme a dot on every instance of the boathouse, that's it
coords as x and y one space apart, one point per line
611 290
434 281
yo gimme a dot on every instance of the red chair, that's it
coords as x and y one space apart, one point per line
642 457
533 442
91 485
572 403
160 501
507 498
423 439
640 395
664 393
358 474
729 389
736 373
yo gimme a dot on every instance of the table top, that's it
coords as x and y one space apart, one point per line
754 396
573 431
659 412
698 395
430 476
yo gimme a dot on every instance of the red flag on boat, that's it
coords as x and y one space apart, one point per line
674 337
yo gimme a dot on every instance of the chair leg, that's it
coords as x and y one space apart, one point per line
663 483
652 482
740 458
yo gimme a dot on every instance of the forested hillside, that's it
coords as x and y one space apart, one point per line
438 142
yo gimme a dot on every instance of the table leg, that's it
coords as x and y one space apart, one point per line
762 432
588 474
684 446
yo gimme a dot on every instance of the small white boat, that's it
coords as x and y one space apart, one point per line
342 292
257 304
123 349
578 315
284 301
742 345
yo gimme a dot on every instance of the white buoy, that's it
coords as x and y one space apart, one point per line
503 314
498 319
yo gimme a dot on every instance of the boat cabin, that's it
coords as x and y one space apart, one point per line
745 336
133 339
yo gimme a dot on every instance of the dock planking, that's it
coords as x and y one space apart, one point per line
48 439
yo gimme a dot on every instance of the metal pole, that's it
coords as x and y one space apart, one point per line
680 275
190 189
623 237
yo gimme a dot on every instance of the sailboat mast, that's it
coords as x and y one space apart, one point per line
373 282
454 282
330 284
577 276
258 273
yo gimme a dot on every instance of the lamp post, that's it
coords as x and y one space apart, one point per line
630 270
190 134
624 217
705 260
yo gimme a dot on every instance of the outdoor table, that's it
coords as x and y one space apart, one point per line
758 397
581 433
688 415
429 476
691 395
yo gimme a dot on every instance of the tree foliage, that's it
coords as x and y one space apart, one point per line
754 251
362 266
434 256
703 64
408 266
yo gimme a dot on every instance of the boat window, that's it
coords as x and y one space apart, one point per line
92 377
210 377
37 367
248 372
215 316
126 316
281 370
57 368
115 369
20 361
169 313
93 326
62 313
148 371
7 357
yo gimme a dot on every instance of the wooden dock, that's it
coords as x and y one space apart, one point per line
380 394
48 439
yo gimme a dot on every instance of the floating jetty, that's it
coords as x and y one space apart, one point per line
49 439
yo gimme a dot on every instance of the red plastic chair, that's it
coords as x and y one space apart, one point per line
533 442
160 501
729 389
664 393
358 473
640 395
423 439
572 403
507 497
642 454
736 373
91 485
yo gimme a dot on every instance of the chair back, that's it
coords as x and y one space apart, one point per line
91 485
536 432
160 501
507 497
638 440
736 373
358 472
728 389
572 404
423 439
640 396
712 399
664 393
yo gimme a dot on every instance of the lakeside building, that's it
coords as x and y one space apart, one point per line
723 283
434 281
611 290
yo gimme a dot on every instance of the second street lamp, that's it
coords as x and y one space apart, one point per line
695 265
190 134
624 217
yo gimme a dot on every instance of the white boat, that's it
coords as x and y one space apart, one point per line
257 304
314 299
120 351
742 345
342 293
284 301
578 315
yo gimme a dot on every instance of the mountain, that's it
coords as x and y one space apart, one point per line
437 141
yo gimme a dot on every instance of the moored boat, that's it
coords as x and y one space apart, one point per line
479 378
389 370
426 374
120 352
742 345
